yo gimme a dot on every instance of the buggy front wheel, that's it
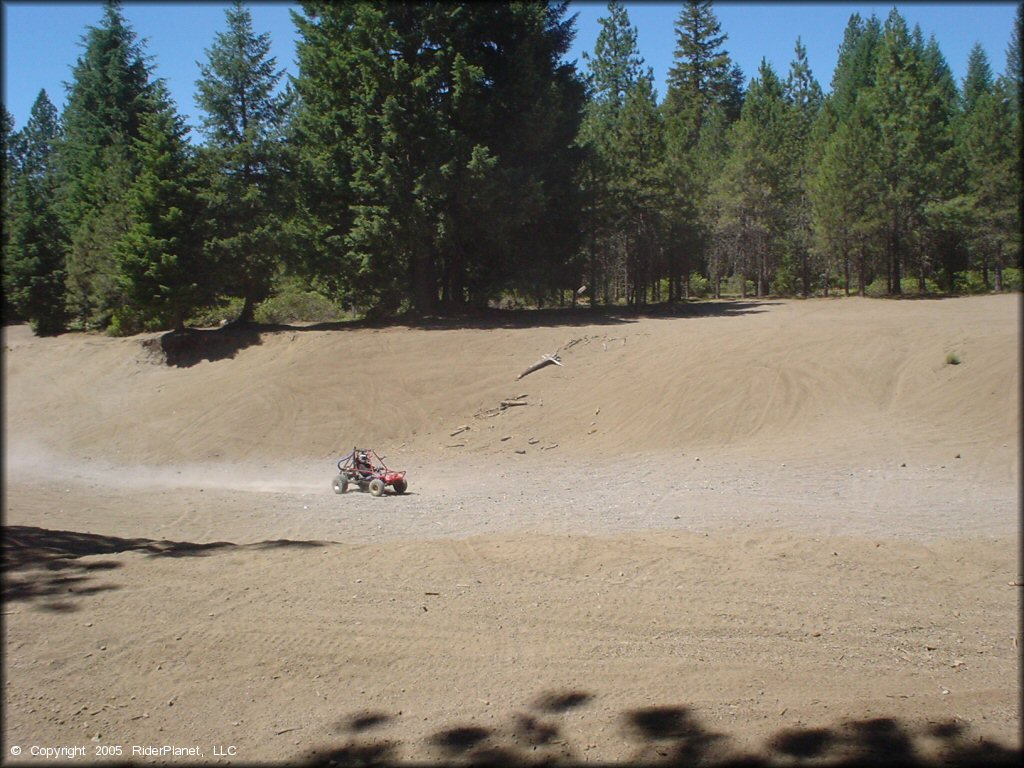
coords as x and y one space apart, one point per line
376 486
400 486
340 484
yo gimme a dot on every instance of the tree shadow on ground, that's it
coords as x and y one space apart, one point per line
570 317
662 736
183 349
44 566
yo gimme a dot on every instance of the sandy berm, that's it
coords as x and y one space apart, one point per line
772 531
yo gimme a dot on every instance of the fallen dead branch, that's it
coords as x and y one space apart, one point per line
544 360
508 402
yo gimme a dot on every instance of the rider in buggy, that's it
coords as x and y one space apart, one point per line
363 465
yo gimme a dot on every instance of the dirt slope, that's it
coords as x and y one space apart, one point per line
755 533
810 378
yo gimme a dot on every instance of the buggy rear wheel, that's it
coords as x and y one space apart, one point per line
340 484
376 486
400 486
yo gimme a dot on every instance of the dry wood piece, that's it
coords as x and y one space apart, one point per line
502 406
458 431
544 360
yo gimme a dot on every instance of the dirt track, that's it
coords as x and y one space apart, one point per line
761 529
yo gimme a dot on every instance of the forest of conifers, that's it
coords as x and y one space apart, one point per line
433 158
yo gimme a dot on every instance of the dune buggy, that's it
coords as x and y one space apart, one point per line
365 469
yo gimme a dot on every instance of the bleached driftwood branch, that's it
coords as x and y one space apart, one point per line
544 360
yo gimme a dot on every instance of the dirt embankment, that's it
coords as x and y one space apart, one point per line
764 531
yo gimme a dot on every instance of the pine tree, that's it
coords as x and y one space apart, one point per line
243 158
318 131
979 77
511 123
703 86
34 243
804 96
989 145
703 73
910 102
755 189
107 100
9 138
616 64
848 222
615 72
856 63
708 160
161 270
1014 71
639 185
441 136
844 188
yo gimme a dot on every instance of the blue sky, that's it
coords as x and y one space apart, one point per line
41 41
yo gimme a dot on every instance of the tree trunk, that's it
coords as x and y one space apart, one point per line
248 314
894 258
424 282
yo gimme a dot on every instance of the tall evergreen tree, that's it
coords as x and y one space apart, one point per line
989 146
804 96
1014 71
161 270
9 138
708 159
441 135
243 157
616 70
703 86
34 243
616 64
910 102
702 73
979 78
756 186
107 100
847 218
512 122
318 132
639 184
856 63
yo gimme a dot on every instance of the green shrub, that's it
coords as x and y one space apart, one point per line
127 321
699 285
952 359
294 302
877 288
1012 279
731 286
224 311
969 282
909 286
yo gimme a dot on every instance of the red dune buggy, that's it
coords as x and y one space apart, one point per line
364 468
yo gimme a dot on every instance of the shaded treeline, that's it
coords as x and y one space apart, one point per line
436 157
